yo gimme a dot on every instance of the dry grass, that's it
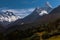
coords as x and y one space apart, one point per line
55 38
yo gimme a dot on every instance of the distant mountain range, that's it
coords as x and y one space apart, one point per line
37 17
33 20
8 17
36 14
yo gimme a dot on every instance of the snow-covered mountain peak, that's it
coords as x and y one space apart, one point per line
48 4
9 13
44 10
8 16
41 11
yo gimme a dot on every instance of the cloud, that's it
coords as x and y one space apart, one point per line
20 12
34 1
48 4
29 2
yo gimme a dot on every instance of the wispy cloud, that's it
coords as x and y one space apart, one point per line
20 12
29 2
34 1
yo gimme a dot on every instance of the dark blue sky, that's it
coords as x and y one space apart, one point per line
18 4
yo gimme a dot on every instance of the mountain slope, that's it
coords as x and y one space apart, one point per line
51 17
39 12
36 14
29 21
